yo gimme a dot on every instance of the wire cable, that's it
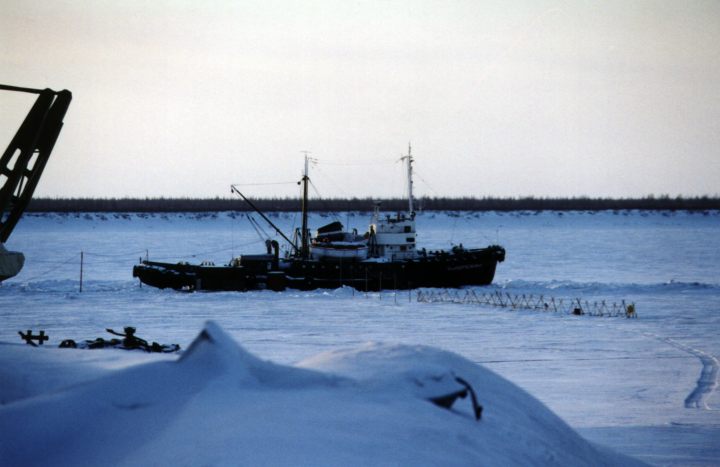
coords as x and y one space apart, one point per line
74 257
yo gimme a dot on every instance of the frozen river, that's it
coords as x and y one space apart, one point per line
646 386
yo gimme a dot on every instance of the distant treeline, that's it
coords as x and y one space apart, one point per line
366 204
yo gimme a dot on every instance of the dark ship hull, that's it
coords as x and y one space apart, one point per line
456 268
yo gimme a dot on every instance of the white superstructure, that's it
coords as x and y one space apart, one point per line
394 237
391 238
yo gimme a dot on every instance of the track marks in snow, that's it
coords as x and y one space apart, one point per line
708 381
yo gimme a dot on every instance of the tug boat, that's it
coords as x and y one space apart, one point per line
385 257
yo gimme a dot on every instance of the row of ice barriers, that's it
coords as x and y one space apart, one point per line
574 306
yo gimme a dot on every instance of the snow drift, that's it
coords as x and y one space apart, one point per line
220 405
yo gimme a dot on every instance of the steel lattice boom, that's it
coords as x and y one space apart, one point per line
27 154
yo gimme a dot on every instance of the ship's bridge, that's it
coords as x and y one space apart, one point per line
395 237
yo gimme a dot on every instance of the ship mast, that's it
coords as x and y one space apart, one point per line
409 158
305 247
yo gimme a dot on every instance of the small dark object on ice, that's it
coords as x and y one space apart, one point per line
29 338
130 342
98 343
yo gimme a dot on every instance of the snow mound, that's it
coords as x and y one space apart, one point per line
215 354
220 405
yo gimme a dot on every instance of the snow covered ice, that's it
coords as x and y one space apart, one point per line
218 404
645 388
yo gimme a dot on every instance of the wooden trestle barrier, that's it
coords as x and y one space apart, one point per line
574 306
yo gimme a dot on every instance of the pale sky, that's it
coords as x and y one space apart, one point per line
498 98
